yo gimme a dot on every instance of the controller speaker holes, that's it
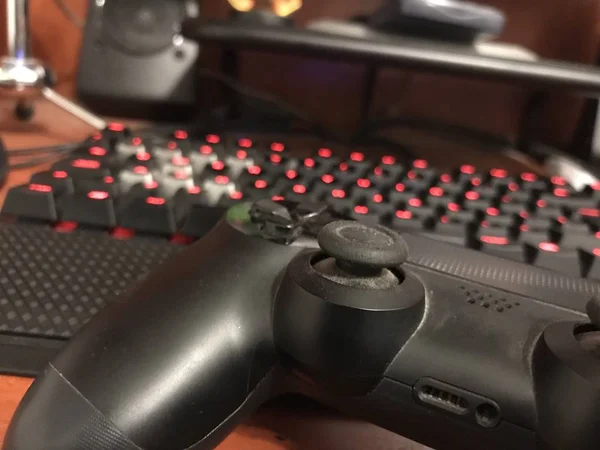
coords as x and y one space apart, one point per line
443 399
486 300
487 415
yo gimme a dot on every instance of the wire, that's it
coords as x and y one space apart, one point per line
264 97
35 151
74 18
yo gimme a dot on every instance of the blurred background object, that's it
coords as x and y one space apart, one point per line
327 90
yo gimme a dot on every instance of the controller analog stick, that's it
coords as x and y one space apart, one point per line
361 249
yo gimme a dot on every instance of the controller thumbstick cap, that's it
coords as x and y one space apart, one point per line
357 244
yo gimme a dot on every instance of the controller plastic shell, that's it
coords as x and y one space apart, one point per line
210 347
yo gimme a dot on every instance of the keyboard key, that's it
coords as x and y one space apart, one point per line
531 182
107 184
59 180
201 219
473 201
155 215
126 148
131 176
93 208
363 214
82 168
549 255
502 248
31 201
404 220
589 260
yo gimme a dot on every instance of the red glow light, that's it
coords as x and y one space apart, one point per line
361 209
217 165
343 167
122 233
420 163
415 202
596 251
254 170
338 193
136 141
236 195
86 164
143 156
241 154
492 212
206 149
194 189
472 195
98 195
388 160
181 161
309 162
589 212
405 215
445 178
275 159
156 201
412 175
363 183
291 174
40 188
400 187
60 174
561 192
541 203
260 184
558 181
467 169
476 181
498 173
181 175
151 184
378 171
494 240
180 134
357 156
549 247
436 191
109 180
325 153
172 145
299 189
454 207
65 227
140 170
97 151
212 139
221 179
277 198
513 187
245 143
528 177
378 198
327 178
277 147
114 126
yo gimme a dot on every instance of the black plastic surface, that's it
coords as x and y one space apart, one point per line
223 326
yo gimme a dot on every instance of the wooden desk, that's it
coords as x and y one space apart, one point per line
278 426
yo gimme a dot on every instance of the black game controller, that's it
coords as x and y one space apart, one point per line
449 347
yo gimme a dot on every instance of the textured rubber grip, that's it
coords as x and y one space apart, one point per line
76 425
552 287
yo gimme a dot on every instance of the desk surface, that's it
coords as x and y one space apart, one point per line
283 425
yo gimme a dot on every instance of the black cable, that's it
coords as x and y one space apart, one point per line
74 18
36 151
264 97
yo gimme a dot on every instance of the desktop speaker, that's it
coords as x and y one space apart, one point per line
134 62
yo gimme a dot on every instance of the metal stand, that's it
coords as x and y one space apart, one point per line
26 79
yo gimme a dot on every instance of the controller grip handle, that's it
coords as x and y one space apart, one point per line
173 364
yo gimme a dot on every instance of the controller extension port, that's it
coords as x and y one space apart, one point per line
459 402
443 399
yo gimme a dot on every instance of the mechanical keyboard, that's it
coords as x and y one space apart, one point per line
108 212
